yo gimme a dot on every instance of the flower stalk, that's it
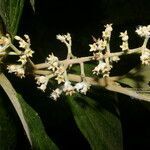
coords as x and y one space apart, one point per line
55 69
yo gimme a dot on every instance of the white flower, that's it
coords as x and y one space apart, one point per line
107 33
53 61
56 94
108 27
101 44
60 78
42 87
145 58
68 88
82 87
61 38
64 38
23 59
114 58
124 46
17 69
28 52
100 68
27 38
93 47
124 36
143 31
98 45
42 81
22 43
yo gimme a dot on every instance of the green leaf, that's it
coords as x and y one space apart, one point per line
10 11
8 136
138 77
100 127
29 118
88 67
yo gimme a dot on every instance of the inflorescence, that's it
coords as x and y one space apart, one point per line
56 69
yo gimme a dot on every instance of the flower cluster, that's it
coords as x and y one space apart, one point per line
19 69
125 38
100 49
69 89
42 81
56 69
107 32
145 57
143 31
64 38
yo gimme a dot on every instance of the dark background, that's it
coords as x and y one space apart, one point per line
84 19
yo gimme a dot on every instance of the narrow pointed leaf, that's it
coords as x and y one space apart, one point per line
10 11
29 118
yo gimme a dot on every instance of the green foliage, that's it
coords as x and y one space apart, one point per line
10 11
30 120
101 128
138 77
87 66
8 137
40 139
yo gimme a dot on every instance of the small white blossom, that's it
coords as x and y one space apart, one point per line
27 38
82 87
143 31
61 38
42 87
56 94
124 46
108 27
114 58
23 59
145 58
124 36
60 78
28 52
17 69
93 47
68 88
100 68
22 43
64 38
53 61
107 33
42 81
99 45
